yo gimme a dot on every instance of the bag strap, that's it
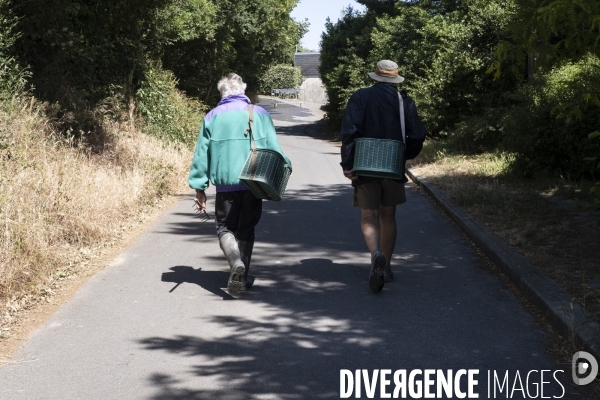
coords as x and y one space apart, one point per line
402 127
250 119
253 143
254 152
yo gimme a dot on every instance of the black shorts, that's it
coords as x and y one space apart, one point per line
238 213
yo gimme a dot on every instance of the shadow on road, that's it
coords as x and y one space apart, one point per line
316 314
208 280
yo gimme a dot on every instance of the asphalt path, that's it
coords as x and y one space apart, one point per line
158 323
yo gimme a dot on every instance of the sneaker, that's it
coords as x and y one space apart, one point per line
376 280
388 275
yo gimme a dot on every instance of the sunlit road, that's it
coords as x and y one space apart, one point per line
157 324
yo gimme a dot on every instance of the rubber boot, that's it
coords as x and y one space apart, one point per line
246 247
232 253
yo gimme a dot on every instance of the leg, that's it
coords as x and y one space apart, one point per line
367 197
393 194
227 210
387 217
250 214
370 228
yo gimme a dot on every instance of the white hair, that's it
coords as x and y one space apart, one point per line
230 85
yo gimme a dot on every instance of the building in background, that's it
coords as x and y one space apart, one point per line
312 89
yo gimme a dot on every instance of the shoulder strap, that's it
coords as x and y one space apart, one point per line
402 127
250 119
253 143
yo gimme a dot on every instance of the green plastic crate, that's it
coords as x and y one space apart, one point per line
271 175
379 158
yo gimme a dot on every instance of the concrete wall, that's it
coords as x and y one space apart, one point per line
313 91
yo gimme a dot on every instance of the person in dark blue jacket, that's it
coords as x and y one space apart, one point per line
374 112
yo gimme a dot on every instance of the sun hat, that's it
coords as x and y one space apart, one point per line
386 71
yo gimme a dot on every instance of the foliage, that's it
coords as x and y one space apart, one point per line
443 51
560 35
302 49
345 46
181 21
167 113
80 51
451 85
13 77
280 77
548 129
545 33
76 49
249 36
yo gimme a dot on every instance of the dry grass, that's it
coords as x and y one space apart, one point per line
544 219
60 203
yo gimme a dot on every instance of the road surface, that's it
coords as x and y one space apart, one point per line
158 324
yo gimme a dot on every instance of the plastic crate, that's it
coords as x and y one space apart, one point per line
379 158
271 175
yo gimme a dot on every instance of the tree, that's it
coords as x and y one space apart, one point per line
249 37
77 49
345 47
81 51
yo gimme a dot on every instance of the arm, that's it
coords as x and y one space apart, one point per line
198 177
350 131
415 130
201 200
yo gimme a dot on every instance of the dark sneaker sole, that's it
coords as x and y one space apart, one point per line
234 284
388 276
376 280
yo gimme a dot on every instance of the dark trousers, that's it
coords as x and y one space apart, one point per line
238 213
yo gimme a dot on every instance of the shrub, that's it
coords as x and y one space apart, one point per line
167 113
345 46
444 56
13 77
280 77
548 129
61 203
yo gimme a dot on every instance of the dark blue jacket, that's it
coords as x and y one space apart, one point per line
374 112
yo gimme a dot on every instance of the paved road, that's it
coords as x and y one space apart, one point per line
157 324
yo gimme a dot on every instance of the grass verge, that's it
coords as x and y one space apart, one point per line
544 219
61 203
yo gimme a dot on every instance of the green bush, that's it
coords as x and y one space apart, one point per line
13 77
280 77
167 113
548 128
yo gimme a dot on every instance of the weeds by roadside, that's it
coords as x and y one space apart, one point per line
60 202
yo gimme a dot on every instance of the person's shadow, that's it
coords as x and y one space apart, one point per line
213 281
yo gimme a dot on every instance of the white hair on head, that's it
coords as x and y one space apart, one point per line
230 85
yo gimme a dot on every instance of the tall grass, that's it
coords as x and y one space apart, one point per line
61 202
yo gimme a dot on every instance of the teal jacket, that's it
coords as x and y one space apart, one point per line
222 146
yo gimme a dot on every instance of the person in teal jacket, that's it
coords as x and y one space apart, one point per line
220 154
